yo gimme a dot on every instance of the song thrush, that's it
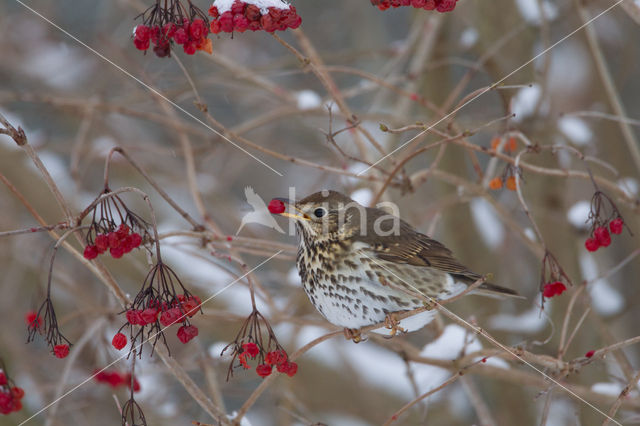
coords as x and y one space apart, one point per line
359 265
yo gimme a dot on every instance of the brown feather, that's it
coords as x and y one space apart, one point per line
414 248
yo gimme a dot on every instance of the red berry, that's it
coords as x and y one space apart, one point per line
181 36
237 7
251 348
3 378
170 316
591 244
384 4
61 351
254 25
266 21
289 368
191 305
590 353
240 23
114 379
213 11
197 29
553 289
296 22
276 206
117 252
215 27
141 44
148 316
90 252
17 392
602 235
119 341
155 34
102 242
133 317
189 47
446 6
275 13
226 22
418 3
263 370
276 357
126 245
122 231
168 30
186 333
252 12
142 33
136 240
32 319
114 239
616 225
429 5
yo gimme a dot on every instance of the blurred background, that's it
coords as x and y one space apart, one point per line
385 71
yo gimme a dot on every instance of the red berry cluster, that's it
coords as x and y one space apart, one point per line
277 358
157 306
119 242
600 236
280 360
170 22
10 395
245 15
45 323
439 5
553 289
114 227
192 35
250 345
115 379
604 216
552 278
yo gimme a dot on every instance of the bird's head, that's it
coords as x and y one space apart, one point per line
322 215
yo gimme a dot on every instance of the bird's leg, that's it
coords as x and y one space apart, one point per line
353 334
392 323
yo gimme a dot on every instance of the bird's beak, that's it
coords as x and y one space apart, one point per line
291 206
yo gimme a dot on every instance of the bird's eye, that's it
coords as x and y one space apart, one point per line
320 212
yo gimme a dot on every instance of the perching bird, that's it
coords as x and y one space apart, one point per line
260 214
360 265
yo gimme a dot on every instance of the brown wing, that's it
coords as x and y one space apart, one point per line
411 247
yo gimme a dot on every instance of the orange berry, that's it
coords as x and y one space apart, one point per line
495 183
511 183
509 146
494 143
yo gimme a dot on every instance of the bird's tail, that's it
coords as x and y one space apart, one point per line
492 290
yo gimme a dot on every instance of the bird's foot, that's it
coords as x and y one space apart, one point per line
431 304
392 322
354 334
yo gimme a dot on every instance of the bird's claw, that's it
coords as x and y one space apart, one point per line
431 304
392 323
354 334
